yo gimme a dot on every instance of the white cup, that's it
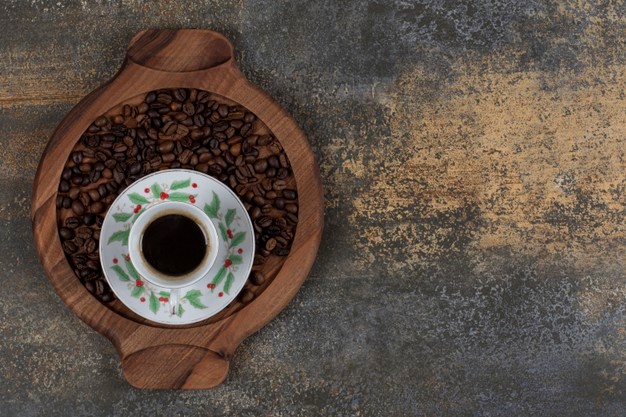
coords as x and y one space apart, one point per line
152 275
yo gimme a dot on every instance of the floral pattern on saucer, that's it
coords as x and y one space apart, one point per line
225 279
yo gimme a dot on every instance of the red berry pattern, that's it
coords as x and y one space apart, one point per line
139 283
142 299
221 294
192 199
137 208
228 263
164 195
194 185
115 261
147 191
240 251
229 233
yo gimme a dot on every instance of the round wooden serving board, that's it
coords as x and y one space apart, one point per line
193 357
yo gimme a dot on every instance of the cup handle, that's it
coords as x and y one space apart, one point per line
174 296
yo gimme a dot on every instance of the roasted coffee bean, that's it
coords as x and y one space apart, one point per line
204 158
272 194
270 172
91 245
59 203
96 208
67 202
255 212
118 176
257 278
284 162
94 176
273 161
245 129
84 232
94 194
89 219
99 221
92 141
282 251
260 165
107 174
264 221
279 185
246 296
258 260
185 156
66 233
72 222
266 209
258 200
267 184
291 208
103 190
280 240
279 203
69 247
289 194
96 234
280 222
67 174
270 244
78 208
292 218
78 241
282 173
64 186
73 193
77 157
107 297
90 286
135 169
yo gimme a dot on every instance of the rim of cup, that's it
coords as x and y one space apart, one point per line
147 271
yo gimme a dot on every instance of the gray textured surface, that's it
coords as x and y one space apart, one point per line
472 155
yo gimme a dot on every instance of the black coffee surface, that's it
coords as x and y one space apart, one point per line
174 245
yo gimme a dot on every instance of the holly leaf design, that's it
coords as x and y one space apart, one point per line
156 190
176 185
178 196
181 310
223 232
138 198
193 296
236 259
164 294
219 276
229 282
237 239
137 291
154 303
120 236
213 209
230 215
122 217
121 274
131 270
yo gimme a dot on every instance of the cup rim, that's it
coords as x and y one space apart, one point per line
148 272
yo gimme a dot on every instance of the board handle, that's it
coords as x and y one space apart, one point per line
180 50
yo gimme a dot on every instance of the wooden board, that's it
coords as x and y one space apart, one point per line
194 357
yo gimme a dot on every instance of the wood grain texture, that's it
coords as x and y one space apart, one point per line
194 357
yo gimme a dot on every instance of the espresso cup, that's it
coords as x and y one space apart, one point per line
173 245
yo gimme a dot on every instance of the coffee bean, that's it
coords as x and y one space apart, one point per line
270 244
99 221
88 219
282 252
284 162
78 208
72 222
64 186
279 185
185 156
90 286
279 203
69 247
67 202
67 174
77 157
84 232
289 194
135 168
260 165
59 203
96 208
91 245
257 278
66 233
245 129
73 193
292 218
280 240
255 212
291 208
258 200
94 176
246 296
264 221
270 172
267 208
107 297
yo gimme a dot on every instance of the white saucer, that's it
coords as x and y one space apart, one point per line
225 279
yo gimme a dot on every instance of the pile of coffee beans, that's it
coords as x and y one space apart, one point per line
176 128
